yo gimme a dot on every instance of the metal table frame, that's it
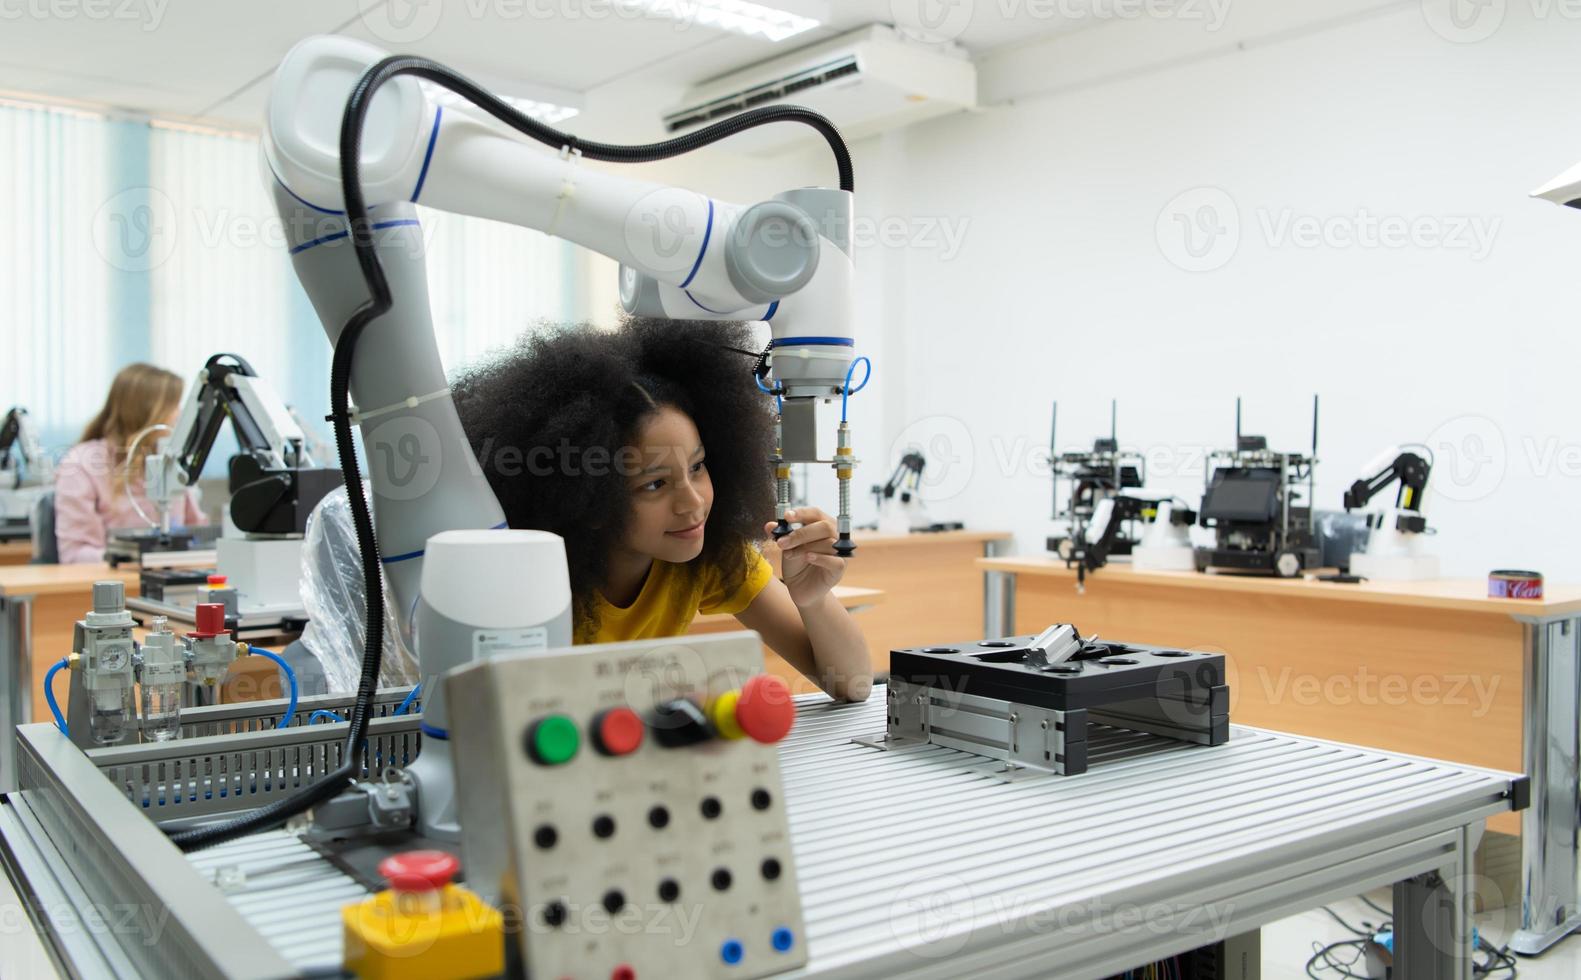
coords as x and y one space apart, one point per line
993 590
1550 754
16 678
880 900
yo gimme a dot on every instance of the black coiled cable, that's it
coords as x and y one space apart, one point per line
351 124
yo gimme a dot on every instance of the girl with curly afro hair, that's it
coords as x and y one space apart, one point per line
647 449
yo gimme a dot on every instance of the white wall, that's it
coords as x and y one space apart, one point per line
1070 283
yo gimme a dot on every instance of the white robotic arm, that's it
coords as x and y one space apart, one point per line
683 255
1564 189
711 259
351 145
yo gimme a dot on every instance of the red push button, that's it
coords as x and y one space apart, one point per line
210 620
765 710
419 871
617 731
623 972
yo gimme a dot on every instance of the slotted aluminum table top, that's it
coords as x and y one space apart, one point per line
927 862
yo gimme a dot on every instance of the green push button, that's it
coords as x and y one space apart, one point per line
553 740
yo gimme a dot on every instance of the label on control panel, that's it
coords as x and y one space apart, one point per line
492 643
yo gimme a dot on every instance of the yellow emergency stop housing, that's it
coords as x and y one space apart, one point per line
407 936
722 712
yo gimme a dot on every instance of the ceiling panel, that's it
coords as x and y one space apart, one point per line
212 58
168 56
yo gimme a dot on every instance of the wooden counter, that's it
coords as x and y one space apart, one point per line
932 586
929 584
60 595
858 600
1467 595
1427 668
16 552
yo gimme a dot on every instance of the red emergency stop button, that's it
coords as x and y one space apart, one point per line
765 710
216 580
617 731
623 972
419 871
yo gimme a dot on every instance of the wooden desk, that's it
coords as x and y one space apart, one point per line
39 604
1434 669
931 584
16 552
857 600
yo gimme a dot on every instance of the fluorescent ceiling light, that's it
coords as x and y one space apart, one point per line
544 112
70 107
549 113
738 16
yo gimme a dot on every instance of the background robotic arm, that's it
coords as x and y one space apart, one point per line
274 481
24 469
900 506
1393 465
20 452
1393 550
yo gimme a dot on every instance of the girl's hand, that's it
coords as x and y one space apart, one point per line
808 563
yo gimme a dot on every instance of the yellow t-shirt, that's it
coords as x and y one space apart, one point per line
672 595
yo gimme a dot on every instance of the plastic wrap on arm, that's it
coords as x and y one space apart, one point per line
333 596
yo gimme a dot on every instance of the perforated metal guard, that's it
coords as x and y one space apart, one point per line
261 716
208 775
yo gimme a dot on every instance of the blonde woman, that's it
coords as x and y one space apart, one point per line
93 484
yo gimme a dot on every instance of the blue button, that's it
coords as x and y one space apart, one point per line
731 952
783 939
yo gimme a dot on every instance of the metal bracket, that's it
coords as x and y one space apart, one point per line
884 743
906 718
387 803
1026 740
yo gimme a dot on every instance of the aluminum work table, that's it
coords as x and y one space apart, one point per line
921 862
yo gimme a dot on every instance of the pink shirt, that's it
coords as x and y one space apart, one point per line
87 505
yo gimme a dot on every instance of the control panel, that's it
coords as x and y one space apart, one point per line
621 804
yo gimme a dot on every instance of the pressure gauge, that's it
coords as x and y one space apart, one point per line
113 658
